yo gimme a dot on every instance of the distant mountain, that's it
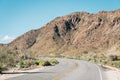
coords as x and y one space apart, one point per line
73 34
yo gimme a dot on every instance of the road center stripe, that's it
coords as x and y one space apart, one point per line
66 73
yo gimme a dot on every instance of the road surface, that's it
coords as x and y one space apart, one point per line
67 69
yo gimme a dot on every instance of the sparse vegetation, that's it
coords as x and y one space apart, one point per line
44 63
38 62
102 58
113 57
116 64
53 61
1 68
29 63
10 59
22 64
26 63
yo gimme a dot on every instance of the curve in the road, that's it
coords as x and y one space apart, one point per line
67 69
101 78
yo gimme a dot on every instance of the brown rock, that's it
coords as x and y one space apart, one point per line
77 31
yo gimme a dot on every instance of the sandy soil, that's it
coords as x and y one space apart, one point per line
6 76
112 73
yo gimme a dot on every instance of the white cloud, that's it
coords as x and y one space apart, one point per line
7 39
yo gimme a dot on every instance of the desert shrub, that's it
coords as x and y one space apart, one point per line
44 63
85 52
1 67
25 56
37 62
8 58
92 60
116 64
28 63
113 57
22 64
53 61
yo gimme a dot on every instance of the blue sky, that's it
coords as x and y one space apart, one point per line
20 16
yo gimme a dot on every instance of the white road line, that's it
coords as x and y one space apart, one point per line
101 78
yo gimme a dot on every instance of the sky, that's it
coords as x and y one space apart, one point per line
20 16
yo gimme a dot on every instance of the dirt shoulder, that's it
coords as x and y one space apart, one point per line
111 73
16 72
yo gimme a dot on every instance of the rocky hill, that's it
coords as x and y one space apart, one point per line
73 34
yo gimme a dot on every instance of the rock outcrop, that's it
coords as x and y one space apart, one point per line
70 34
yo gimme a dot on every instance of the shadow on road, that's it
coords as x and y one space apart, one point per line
24 72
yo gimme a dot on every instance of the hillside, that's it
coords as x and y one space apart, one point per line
73 34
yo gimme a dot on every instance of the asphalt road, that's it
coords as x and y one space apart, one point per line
67 69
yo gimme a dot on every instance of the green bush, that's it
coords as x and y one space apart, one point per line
53 61
29 63
22 64
48 62
116 64
44 63
37 62
26 63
